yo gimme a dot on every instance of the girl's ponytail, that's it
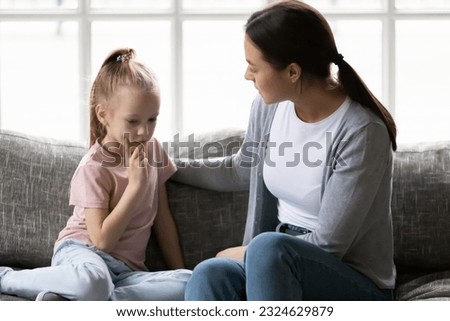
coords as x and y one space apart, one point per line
97 130
123 55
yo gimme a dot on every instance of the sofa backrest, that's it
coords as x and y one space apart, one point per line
421 206
207 221
35 176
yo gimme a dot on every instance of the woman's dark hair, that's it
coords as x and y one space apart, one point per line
294 32
119 69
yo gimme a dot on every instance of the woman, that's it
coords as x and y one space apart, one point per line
317 157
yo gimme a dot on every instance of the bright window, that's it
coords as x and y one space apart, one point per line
51 50
39 78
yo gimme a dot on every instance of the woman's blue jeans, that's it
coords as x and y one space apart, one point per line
281 267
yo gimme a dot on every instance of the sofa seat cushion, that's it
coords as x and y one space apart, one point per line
435 286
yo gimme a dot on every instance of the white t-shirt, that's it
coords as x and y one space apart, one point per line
295 159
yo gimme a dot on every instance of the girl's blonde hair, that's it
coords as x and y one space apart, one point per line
119 69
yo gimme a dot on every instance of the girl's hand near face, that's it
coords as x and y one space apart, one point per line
138 173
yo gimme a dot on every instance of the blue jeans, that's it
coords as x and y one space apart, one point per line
281 267
82 272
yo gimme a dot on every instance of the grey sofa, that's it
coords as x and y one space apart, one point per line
35 175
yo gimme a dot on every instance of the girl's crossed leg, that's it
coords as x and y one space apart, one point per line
82 272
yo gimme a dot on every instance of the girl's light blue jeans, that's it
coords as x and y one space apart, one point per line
83 272
281 267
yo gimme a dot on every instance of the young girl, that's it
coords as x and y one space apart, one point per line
118 194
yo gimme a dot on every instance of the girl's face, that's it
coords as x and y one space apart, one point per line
130 113
273 85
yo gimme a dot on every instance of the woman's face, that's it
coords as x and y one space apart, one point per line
273 85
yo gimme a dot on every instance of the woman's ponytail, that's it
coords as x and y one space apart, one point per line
357 90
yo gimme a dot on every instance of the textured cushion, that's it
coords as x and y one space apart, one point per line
206 145
420 206
435 286
207 221
34 188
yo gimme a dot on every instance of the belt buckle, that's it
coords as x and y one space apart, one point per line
292 229
282 227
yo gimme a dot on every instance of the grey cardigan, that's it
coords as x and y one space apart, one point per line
355 209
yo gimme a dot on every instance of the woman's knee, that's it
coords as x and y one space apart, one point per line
267 243
267 250
216 279
213 269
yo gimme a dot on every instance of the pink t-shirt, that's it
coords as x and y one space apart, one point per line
99 182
